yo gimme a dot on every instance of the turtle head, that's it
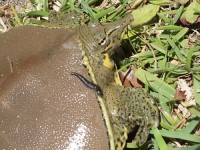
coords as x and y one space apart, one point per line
108 35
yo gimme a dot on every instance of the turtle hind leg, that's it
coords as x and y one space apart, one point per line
120 136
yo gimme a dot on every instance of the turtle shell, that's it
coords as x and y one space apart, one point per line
41 105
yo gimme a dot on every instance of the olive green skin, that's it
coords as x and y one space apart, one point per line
126 107
41 105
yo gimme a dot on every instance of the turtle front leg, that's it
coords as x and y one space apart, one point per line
143 132
120 133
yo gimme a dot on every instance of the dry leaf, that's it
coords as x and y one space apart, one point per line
128 79
183 86
179 95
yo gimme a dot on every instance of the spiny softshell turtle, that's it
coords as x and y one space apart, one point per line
36 95
42 105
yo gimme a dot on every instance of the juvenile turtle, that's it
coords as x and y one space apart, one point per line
40 107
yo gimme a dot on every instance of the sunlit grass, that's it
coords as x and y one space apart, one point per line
164 40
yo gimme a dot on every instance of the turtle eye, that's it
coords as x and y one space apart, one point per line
104 42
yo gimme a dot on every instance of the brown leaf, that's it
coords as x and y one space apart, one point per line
179 95
129 80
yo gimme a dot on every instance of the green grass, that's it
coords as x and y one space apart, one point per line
163 51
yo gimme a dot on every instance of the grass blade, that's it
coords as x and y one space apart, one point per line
104 12
37 13
195 111
176 50
156 83
194 147
163 17
189 58
169 118
87 8
180 34
178 14
180 135
196 86
170 27
71 4
190 127
159 139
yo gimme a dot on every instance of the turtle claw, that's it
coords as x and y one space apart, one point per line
120 136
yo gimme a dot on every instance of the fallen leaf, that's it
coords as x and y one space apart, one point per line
190 15
179 95
183 86
144 14
128 79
